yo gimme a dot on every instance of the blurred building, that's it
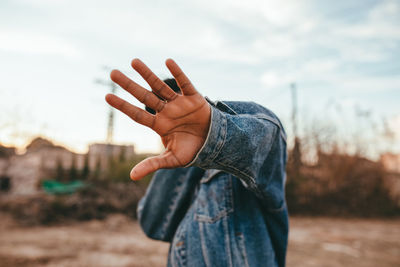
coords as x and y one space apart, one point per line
100 154
6 151
21 174
5 154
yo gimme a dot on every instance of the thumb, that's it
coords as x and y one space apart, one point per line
149 165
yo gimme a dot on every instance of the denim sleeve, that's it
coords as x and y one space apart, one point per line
250 146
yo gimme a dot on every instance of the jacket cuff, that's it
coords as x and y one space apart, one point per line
214 142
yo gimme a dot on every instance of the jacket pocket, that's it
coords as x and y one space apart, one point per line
214 199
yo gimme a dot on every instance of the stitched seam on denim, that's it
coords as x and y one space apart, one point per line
205 142
263 194
207 179
207 219
259 116
179 251
221 138
173 257
242 248
246 177
278 209
274 121
213 151
172 205
227 241
181 254
203 248
229 204
268 118
226 105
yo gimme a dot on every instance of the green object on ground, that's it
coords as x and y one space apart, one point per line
58 188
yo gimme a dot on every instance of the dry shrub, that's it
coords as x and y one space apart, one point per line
96 201
340 185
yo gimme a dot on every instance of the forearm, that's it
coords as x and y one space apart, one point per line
250 146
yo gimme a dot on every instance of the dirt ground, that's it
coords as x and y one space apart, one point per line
118 241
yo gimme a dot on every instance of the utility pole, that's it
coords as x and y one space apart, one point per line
296 152
110 123
294 108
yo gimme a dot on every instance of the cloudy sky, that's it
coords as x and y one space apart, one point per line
344 57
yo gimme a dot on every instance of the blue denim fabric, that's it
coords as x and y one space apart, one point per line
227 207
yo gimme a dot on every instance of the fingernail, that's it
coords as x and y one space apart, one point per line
132 175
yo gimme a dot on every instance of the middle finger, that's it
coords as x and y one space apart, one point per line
159 87
140 93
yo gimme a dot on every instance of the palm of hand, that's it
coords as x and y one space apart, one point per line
182 121
181 125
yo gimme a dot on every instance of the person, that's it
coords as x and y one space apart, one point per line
218 194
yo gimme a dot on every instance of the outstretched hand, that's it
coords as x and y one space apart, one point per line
181 120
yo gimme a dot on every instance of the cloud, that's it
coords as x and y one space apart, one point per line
382 22
388 9
324 68
36 43
273 79
373 38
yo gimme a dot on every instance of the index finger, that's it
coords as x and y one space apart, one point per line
135 113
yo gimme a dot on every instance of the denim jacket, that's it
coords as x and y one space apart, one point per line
227 207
